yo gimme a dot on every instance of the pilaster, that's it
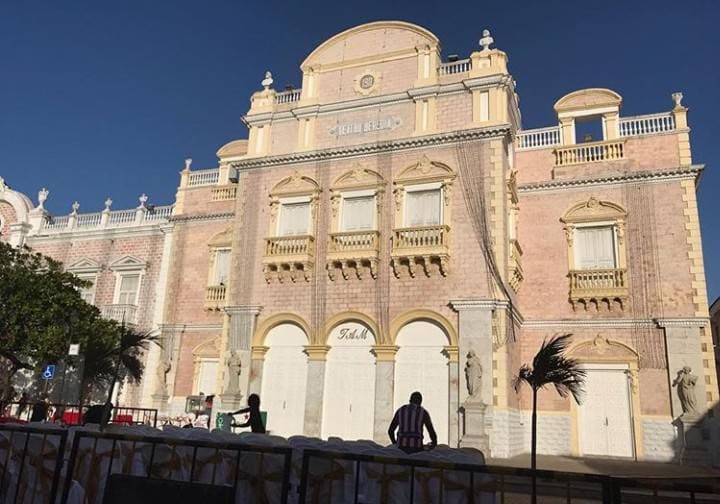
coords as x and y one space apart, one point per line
317 355
384 390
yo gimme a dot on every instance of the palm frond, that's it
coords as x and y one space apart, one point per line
552 367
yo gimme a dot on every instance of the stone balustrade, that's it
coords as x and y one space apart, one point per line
121 313
215 296
223 193
540 138
353 241
590 152
515 265
200 178
597 285
289 96
106 219
647 124
425 245
455 67
282 246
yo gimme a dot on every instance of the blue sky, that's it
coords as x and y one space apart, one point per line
105 99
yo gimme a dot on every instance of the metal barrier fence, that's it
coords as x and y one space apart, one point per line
69 414
31 460
356 478
95 457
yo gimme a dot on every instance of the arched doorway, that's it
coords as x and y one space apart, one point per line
349 398
284 379
421 364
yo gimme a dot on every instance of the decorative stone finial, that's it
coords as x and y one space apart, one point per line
677 98
267 81
75 207
188 163
486 40
42 198
108 204
143 199
3 186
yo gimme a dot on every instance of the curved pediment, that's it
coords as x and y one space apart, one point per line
295 184
358 178
594 210
603 349
234 148
207 349
362 41
425 170
590 98
223 239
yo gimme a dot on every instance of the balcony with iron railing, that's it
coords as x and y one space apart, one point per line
215 296
422 245
598 285
121 313
289 256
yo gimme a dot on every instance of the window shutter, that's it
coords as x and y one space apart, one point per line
595 248
128 289
358 213
222 266
423 208
294 219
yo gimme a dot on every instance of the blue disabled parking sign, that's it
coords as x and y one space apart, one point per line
48 372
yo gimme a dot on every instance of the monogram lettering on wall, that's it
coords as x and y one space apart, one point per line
386 123
353 333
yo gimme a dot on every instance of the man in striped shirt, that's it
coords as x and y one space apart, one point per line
409 421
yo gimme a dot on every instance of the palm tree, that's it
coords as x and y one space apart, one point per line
550 367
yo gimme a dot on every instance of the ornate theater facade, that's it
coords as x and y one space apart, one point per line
390 216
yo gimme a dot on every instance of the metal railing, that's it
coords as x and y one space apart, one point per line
289 245
69 414
95 456
540 138
31 460
590 152
455 67
421 237
203 177
122 313
353 241
650 124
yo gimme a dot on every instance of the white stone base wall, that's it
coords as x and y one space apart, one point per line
507 437
554 433
660 438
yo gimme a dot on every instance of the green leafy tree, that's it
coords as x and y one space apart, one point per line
41 312
550 367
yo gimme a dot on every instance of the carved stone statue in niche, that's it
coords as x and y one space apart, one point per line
233 369
473 375
685 383
163 368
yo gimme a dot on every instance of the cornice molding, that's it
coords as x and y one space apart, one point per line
373 101
190 327
596 323
137 231
674 174
241 309
682 322
351 151
203 217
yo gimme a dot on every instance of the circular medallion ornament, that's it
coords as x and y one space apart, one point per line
367 82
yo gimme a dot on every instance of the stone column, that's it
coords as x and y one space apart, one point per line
256 369
240 330
454 433
384 391
475 333
317 355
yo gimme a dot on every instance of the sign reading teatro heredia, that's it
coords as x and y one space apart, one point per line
358 128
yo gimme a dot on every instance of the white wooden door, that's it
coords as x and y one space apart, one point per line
207 377
420 365
284 380
605 415
349 395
